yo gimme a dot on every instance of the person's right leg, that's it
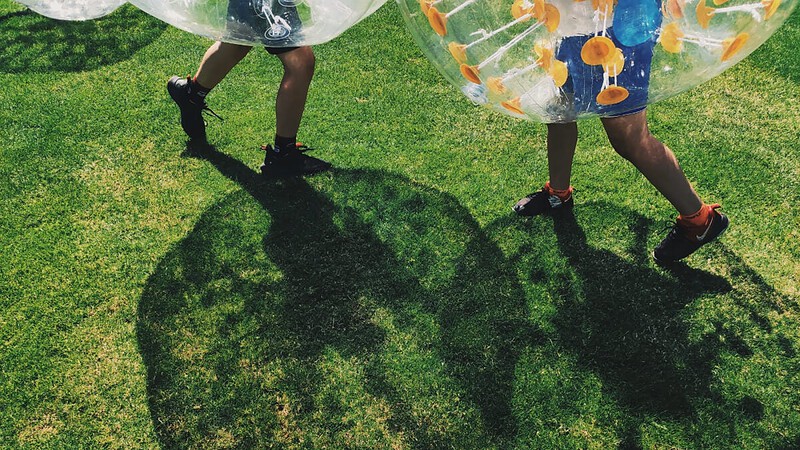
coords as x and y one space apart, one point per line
298 70
562 138
631 138
189 93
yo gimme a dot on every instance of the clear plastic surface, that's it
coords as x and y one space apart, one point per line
563 60
274 23
73 9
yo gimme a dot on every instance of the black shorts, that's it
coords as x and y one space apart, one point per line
279 50
278 26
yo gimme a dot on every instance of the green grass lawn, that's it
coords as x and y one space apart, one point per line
153 297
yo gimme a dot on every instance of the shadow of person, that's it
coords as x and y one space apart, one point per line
485 327
360 308
35 44
623 318
355 303
629 322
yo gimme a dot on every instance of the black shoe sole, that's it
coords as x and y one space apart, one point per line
288 173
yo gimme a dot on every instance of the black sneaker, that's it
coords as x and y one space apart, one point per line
541 202
293 162
682 241
180 89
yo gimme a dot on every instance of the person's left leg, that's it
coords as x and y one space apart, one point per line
631 138
217 62
286 158
290 103
697 222
557 191
190 93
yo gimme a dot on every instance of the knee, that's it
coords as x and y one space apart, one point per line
632 145
300 64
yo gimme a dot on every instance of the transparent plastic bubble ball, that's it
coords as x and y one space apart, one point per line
73 9
274 23
563 60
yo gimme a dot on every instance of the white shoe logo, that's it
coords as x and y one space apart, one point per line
703 236
555 202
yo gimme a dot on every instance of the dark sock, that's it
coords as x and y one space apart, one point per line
197 92
284 143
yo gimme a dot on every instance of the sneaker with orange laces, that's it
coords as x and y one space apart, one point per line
684 239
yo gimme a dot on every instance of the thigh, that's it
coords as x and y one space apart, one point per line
297 59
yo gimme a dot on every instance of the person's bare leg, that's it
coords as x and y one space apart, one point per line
190 94
218 61
561 141
298 70
631 138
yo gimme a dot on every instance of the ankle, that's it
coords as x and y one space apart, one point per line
696 219
283 143
197 92
563 194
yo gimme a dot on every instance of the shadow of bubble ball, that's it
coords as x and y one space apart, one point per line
37 44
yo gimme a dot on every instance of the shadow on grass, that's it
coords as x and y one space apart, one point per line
282 285
626 321
34 44
360 309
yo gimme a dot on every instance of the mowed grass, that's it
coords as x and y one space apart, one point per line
153 296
